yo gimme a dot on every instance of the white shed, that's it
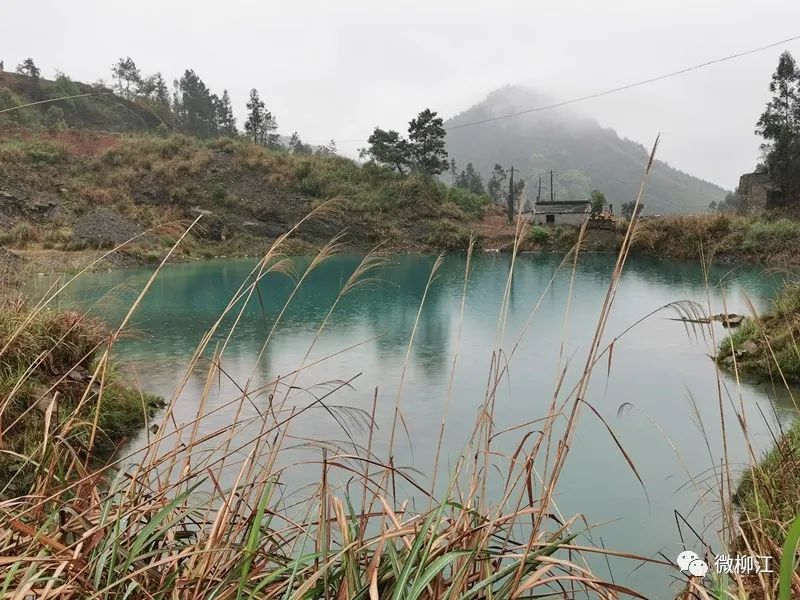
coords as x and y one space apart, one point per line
572 212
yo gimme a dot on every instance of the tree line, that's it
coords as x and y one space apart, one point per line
200 112
191 107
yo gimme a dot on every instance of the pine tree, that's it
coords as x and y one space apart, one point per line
269 135
261 125
453 171
426 143
779 126
29 68
160 91
297 146
495 185
255 117
471 180
195 106
127 75
389 148
226 122
154 88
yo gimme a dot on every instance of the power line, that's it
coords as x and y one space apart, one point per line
615 89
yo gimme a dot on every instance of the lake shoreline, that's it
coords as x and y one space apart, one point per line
717 238
32 262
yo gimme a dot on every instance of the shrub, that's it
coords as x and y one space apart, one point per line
46 152
311 185
60 237
54 118
472 204
172 145
220 194
539 235
223 144
564 236
98 196
445 235
20 235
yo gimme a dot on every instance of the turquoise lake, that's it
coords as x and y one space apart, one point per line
657 371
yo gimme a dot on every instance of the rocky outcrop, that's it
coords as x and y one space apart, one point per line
36 207
104 227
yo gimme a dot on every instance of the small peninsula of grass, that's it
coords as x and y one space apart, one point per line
768 347
49 397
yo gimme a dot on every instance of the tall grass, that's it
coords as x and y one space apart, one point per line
166 527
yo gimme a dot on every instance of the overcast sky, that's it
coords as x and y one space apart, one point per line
335 69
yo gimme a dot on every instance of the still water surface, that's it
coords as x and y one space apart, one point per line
658 369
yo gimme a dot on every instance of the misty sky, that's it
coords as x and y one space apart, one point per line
337 69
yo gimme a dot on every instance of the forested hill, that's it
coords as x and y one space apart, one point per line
87 106
584 155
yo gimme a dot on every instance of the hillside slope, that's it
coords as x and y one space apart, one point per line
72 189
96 107
583 154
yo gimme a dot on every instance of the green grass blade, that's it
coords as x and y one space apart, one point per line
436 567
411 559
253 538
788 559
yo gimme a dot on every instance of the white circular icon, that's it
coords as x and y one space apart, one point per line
685 558
698 568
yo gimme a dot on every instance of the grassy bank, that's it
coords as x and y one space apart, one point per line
768 494
767 497
719 237
50 397
768 346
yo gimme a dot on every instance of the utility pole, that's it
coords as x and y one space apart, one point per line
552 189
539 193
511 197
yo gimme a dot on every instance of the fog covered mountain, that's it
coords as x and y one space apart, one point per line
583 154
